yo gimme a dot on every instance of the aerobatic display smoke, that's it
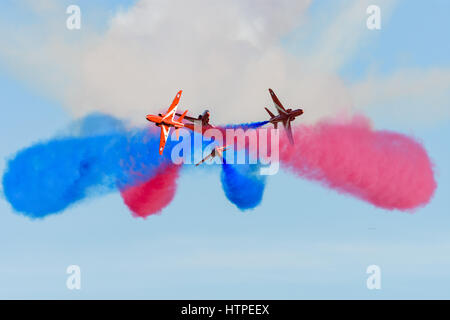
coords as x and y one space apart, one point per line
243 185
387 169
152 196
98 154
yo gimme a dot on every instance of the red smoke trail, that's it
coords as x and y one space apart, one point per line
152 196
387 169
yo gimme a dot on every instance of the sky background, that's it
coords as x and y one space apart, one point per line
304 241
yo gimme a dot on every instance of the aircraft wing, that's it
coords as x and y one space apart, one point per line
192 119
288 129
163 138
173 107
277 103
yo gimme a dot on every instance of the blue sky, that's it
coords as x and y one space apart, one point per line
304 241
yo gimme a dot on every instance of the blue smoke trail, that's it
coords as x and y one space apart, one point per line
245 126
98 155
48 177
96 124
243 185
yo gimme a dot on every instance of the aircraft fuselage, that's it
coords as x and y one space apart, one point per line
159 120
291 115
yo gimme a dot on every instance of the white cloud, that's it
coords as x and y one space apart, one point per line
223 54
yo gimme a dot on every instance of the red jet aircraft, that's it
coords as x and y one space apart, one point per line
166 121
203 118
284 116
217 151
